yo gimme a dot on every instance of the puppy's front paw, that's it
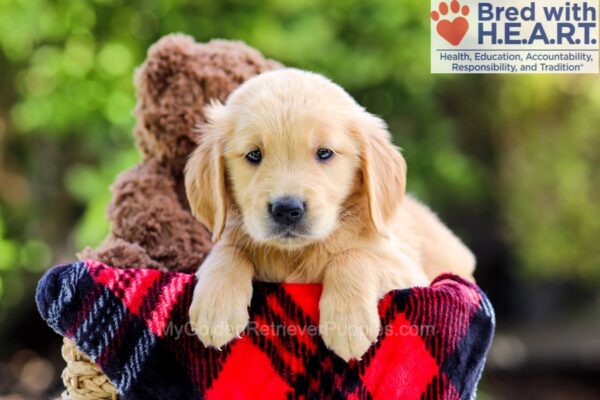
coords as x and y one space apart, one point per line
219 314
348 327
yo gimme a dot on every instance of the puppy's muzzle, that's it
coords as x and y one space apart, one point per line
287 211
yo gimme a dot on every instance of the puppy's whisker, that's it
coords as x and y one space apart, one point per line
242 242
351 211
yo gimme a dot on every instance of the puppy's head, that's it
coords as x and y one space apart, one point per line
289 150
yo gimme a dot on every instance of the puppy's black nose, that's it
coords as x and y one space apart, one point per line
287 210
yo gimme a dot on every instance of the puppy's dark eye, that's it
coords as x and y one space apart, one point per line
324 154
255 156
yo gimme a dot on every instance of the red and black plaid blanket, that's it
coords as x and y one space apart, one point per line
133 323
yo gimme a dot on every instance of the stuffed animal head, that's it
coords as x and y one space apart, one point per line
177 80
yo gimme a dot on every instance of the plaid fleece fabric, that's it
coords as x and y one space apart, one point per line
134 324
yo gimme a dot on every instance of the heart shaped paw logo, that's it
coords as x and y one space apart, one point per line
451 22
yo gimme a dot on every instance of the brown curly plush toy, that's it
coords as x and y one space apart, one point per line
151 223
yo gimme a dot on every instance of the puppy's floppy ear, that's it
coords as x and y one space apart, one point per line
205 173
383 170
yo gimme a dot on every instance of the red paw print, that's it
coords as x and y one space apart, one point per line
452 30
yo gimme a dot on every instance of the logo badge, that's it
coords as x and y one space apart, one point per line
514 36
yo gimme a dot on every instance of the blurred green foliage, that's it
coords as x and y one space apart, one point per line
518 152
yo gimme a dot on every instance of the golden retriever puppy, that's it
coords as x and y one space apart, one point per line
298 183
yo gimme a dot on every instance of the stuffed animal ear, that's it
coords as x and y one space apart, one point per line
383 171
205 173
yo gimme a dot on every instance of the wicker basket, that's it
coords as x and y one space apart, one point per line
83 379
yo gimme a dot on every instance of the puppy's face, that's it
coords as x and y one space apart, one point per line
290 167
287 149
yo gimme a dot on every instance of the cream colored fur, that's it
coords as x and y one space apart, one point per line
365 236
